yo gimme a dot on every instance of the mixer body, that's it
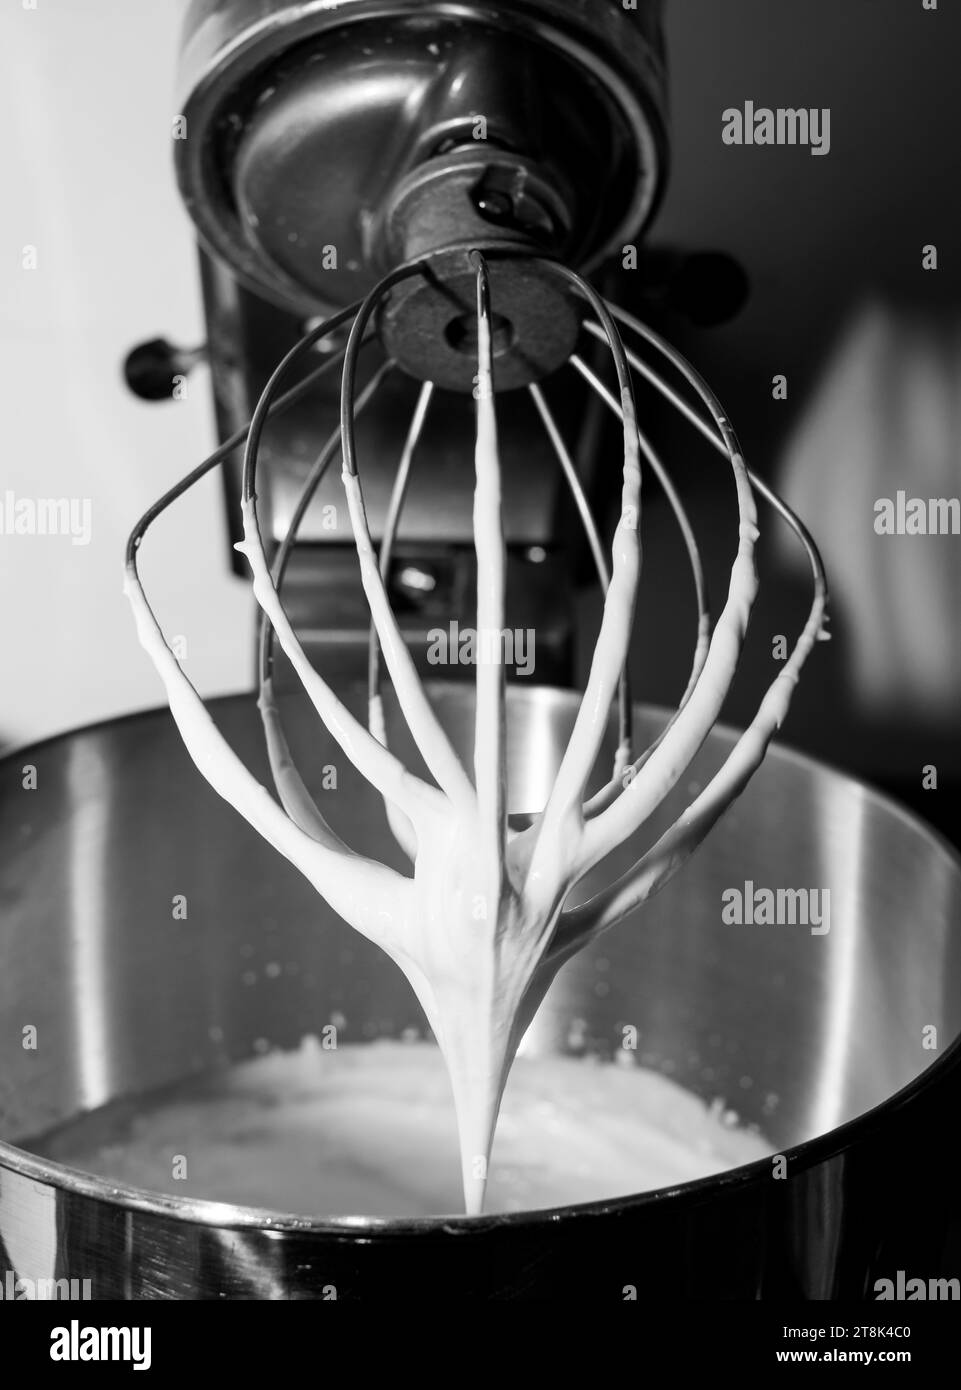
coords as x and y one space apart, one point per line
327 143
311 127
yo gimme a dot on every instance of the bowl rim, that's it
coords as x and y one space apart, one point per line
205 1212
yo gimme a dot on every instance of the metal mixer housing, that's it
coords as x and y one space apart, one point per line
327 143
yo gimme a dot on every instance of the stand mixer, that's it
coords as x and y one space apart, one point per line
325 145
418 191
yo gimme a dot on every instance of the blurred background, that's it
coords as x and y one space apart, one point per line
840 304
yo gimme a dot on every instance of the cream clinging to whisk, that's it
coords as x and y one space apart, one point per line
479 926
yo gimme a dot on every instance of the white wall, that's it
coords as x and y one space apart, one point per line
86 176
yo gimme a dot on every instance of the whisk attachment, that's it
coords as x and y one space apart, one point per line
481 923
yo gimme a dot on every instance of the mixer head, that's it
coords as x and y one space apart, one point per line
328 145
323 147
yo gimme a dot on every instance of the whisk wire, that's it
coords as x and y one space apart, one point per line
624 704
713 436
372 760
238 438
661 862
294 796
425 727
490 735
395 507
563 814
697 570
317 473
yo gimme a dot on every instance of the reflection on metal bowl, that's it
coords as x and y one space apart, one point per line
822 1039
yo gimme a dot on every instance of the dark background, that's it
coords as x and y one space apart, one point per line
822 239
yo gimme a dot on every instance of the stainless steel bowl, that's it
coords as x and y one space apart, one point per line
822 1040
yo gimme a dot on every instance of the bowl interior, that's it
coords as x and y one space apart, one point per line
796 1030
